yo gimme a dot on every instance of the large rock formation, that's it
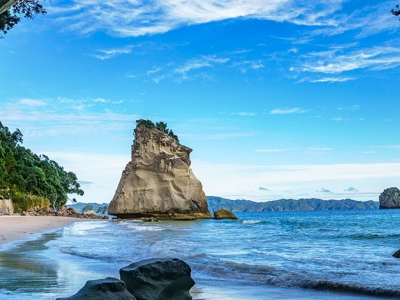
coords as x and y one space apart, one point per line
158 181
390 198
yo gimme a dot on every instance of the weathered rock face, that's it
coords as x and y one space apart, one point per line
390 198
224 214
158 181
6 206
158 279
102 289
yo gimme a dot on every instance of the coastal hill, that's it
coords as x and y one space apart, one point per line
216 203
158 181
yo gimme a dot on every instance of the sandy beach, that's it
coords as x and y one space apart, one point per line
15 228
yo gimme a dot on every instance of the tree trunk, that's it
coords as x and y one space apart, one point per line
6 4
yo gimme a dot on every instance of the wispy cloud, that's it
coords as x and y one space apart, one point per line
319 149
32 102
334 62
104 54
136 17
285 111
272 150
244 114
62 116
351 189
324 190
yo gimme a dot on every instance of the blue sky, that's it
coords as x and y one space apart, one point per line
278 99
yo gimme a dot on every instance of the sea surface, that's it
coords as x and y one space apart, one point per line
271 255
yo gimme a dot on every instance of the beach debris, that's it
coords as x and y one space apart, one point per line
158 278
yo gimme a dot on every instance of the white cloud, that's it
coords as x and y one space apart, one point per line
110 53
244 114
272 150
294 110
330 79
137 17
319 149
291 180
337 61
32 102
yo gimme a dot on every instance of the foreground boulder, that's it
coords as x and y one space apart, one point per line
224 214
158 181
102 289
158 279
390 198
396 254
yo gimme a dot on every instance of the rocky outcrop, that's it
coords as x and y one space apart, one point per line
6 206
224 214
158 279
390 198
102 289
158 181
150 279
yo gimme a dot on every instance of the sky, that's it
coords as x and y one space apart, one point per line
277 99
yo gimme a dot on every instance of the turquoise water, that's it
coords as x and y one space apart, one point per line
272 255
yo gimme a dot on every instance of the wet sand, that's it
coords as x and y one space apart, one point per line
19 228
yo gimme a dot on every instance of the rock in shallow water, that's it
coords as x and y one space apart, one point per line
158 279
390 198
102 289
224 214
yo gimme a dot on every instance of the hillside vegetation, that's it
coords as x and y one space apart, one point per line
30 180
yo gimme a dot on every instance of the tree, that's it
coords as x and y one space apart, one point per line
22 172
396 11
11 10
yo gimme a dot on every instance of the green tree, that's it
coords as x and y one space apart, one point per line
12 10
24 172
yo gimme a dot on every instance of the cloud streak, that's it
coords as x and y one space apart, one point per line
133 18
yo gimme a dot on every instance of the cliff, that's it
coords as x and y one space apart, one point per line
158 181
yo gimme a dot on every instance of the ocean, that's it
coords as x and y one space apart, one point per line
270 255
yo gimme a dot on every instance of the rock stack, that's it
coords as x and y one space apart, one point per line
158 181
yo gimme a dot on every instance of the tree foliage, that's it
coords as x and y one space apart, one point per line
396 11
162 126
21 8
24 172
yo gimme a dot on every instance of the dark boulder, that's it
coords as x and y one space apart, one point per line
102 289
396 254
158 279
224 214
390 198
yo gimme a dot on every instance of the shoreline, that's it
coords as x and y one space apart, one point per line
21 228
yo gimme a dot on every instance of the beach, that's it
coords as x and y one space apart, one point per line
18 228
326 255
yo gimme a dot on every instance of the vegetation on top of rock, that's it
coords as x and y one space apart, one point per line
27 178
162 126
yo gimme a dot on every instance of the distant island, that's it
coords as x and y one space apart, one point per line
216 203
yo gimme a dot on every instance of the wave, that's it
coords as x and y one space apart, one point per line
269 275
253 222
